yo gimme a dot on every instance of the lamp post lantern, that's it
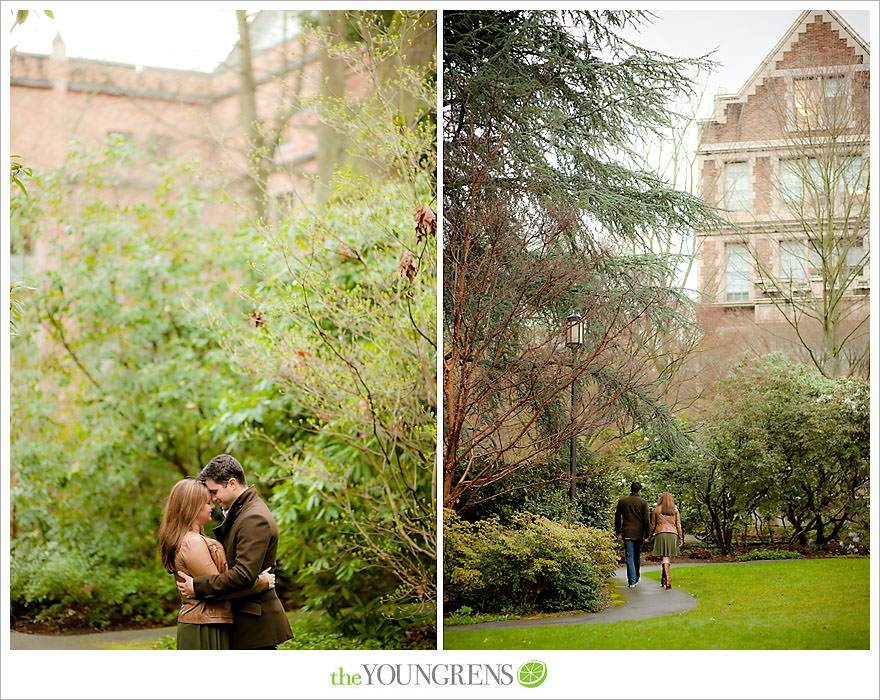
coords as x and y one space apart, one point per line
574 338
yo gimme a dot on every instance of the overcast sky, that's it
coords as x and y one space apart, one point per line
740 39
200 35
194 36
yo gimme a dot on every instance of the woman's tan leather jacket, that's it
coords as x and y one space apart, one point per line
666 523
198 555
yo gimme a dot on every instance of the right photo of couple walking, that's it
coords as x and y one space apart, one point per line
660 527
655 409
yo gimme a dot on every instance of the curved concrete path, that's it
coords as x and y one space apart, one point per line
646 600
123 639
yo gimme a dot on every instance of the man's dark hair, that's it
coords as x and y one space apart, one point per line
223 468
634 487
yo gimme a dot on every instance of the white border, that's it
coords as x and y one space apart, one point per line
571 674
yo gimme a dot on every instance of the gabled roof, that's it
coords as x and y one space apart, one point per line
768 66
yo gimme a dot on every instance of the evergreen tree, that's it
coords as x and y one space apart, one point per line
541 110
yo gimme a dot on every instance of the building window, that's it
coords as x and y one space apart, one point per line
834 98
737 193
855 263
851 169
791 181
814 260
736 283
820 101
815 177
818 179
791 260
160 145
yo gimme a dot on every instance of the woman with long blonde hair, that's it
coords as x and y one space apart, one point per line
201 624
667 534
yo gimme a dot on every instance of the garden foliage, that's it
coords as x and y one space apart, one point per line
531 564
543 489
782 441
153 340
343 347
115 377
757 554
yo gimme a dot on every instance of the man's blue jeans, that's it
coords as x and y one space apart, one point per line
633 560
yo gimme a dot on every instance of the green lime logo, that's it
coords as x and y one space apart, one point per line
532 673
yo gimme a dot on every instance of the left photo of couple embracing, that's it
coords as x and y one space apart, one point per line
223 328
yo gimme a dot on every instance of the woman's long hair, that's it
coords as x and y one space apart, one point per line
667 505
184 502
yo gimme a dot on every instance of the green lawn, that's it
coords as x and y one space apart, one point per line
809 604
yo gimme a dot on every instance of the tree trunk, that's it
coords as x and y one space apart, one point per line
330 141
254 137
832 345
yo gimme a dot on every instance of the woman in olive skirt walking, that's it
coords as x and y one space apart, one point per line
666 531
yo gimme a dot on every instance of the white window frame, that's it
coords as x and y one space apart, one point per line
737 185
851 180
854 259
812 97
737 272
791 180
792 262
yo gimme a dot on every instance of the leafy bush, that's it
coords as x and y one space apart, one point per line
166 641
769 554
313 631
459 618
781 439
700 553
319 632
71 589
580 585
531 564
542 489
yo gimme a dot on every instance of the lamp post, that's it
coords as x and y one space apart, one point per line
574 338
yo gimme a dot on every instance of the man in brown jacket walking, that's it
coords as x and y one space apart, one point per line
250 537
632 522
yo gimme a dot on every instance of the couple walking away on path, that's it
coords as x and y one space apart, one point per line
227 592
633 523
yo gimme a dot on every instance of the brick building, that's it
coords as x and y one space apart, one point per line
786 158
56 100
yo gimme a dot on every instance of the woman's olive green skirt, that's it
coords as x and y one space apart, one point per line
203 636
665 544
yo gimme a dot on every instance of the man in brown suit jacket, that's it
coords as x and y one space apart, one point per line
250 537
632 522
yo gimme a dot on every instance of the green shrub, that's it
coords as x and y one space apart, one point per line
769 554
531 564
320 632
458 619
166 641
70 589
310 631
579 586
700 553
542 489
